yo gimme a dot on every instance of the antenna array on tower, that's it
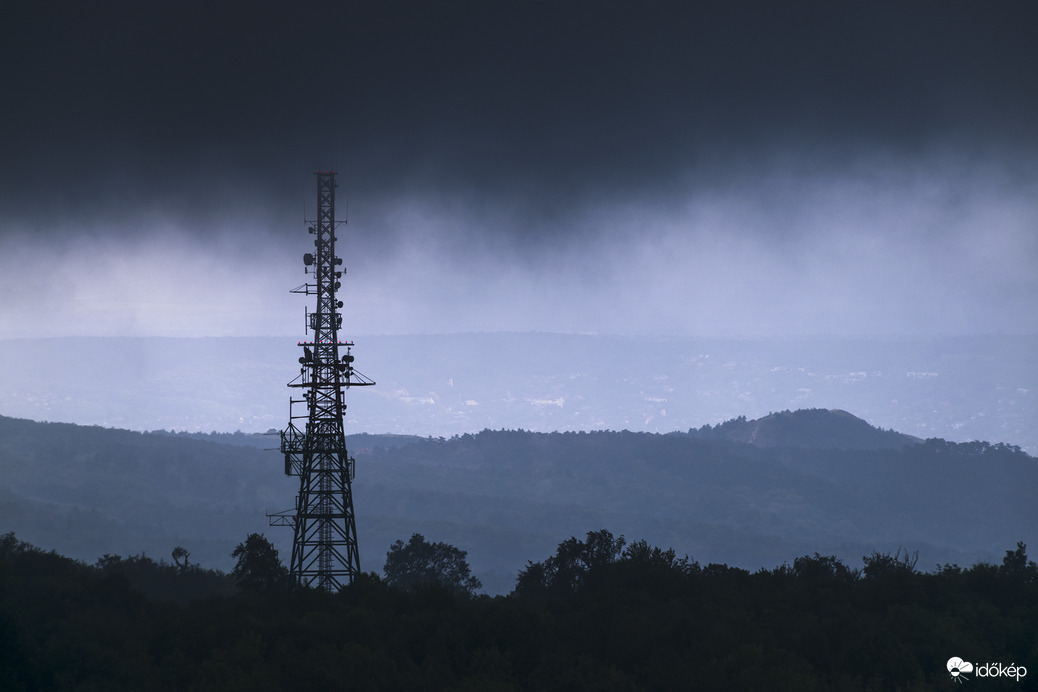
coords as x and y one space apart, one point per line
324 544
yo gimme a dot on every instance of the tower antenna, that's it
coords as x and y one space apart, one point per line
324 542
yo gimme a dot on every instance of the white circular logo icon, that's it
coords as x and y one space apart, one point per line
957 667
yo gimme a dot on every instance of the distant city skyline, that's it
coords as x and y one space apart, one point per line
732 169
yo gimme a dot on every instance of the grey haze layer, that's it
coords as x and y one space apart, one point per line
955 388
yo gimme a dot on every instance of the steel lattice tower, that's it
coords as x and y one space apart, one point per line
324 545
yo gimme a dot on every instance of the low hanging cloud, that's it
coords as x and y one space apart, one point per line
707 168
899 250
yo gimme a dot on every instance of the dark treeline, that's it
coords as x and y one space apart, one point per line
600 613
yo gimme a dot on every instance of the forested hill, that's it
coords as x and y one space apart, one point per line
808 428
510 496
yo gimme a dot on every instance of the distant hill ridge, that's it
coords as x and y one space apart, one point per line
508 495
815 428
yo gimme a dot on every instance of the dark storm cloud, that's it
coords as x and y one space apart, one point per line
718 166
553 103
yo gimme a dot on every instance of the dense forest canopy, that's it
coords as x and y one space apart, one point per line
601 613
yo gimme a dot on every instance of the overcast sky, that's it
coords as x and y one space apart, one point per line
693 168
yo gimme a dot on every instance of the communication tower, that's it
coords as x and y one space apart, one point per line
324 544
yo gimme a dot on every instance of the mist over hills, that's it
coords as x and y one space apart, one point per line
955 388
510 496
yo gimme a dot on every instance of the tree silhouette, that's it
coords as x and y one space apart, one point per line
259 568
823 570
420 562
574 565
180 556
1016 563
884 566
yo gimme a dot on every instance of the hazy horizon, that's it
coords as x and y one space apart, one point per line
958 389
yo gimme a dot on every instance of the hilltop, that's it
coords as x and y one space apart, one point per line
807 429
